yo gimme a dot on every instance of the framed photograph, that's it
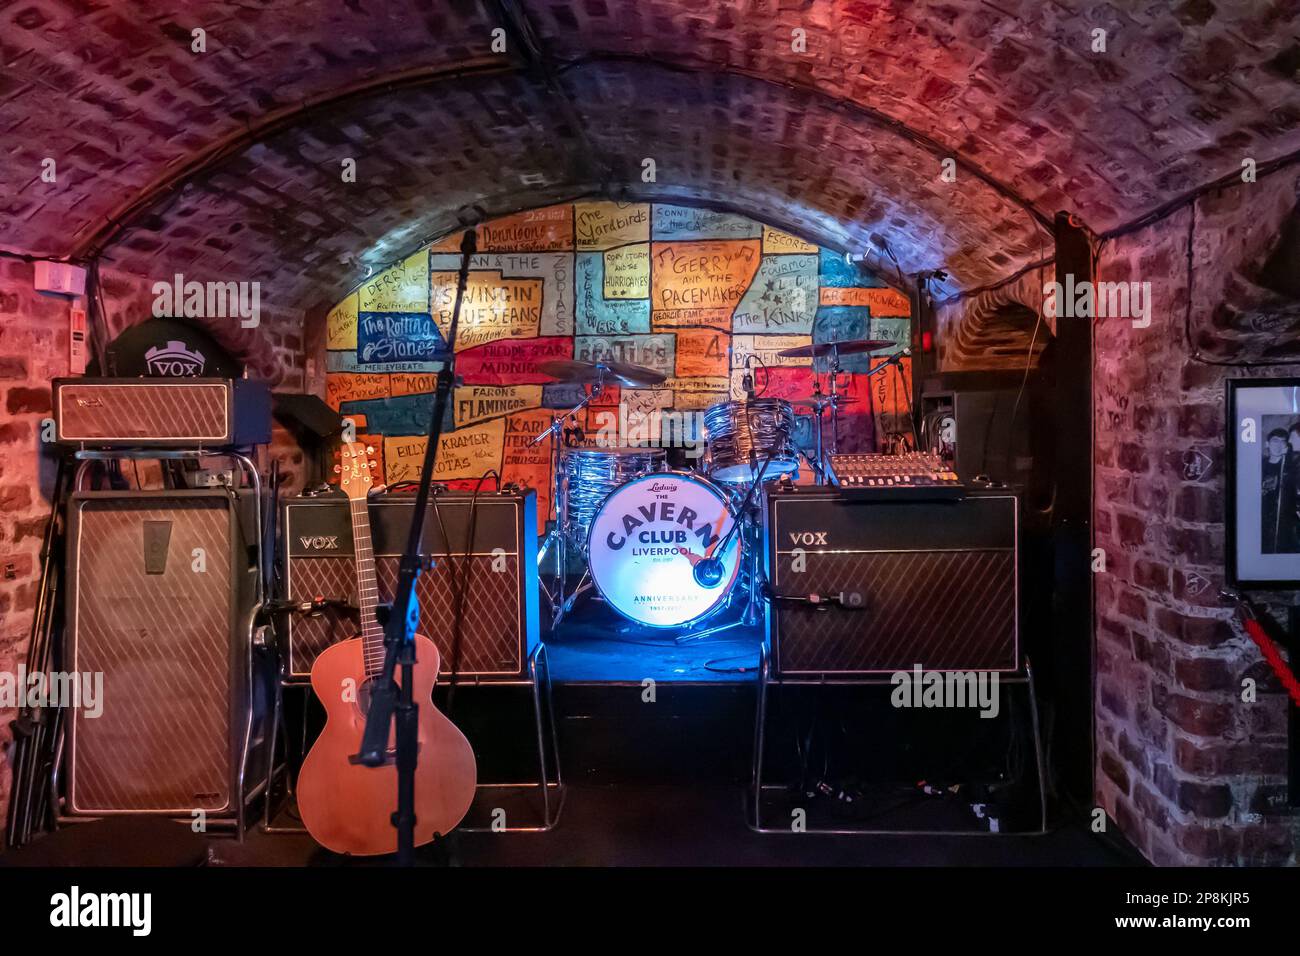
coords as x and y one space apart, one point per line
1263 507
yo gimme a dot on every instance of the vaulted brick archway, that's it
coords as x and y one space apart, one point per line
213 138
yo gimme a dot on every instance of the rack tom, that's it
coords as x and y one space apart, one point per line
764 426
589 475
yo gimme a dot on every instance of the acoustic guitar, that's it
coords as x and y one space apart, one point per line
347 807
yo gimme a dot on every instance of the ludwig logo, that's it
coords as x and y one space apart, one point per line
808 537
175 360
320 542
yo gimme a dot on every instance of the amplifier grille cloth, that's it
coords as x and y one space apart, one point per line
939 609
144 411
162 642
489 642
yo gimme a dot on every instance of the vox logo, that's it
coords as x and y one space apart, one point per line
808 537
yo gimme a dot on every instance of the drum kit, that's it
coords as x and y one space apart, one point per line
673 548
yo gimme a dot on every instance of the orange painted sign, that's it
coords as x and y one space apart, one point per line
701 352
709 275
343 387
881 302
538 230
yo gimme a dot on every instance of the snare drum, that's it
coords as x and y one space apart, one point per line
588 475
764 426
646 539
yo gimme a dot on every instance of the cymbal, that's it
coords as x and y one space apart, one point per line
612 373
815 400
847 347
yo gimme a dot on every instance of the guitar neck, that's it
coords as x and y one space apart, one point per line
372 634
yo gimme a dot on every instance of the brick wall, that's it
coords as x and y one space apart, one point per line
1187 770
33 350
1190 772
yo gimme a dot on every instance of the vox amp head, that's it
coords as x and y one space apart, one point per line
161 412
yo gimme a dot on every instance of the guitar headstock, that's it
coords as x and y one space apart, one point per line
357 470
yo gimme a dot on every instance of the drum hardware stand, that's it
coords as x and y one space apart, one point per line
746 515
834 373
555 537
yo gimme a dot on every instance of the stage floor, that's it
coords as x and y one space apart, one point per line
647 825
594 645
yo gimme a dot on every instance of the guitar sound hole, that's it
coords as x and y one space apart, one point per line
363 695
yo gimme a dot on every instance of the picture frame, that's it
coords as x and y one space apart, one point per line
1262 508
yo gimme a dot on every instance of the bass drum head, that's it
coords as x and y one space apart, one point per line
647 538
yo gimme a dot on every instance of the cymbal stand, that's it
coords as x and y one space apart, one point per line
819 460
834 372
555 536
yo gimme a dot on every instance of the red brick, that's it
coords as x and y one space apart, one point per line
1202 718
26 401
1220 759
1205 674
1199 504
1114 769
1193 630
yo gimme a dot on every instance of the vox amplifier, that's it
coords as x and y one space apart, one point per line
878 586
161 412
161 600
500 624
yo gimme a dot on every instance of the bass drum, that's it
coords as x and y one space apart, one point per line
647 538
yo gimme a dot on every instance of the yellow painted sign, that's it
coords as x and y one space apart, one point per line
492 309
776 241
604 225
403 288
465 453
627 272
413 383
341 325
476 403
765 347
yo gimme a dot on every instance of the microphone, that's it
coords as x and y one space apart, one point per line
708 572
847 600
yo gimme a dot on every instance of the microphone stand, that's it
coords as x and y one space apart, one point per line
387 708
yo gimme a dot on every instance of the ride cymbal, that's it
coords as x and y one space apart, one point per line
847 347
611 373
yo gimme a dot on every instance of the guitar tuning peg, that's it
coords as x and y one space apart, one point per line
374 464
370 449
337 470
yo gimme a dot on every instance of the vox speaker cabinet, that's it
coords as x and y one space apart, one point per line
928 582
161 599
500 625
161 412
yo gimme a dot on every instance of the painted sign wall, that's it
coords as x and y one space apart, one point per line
696 294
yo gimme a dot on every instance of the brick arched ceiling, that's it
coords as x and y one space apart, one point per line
228 161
